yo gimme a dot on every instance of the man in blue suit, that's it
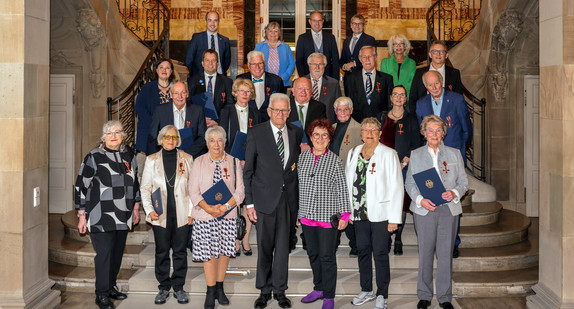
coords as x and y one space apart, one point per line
317 41
208 39
265 83
451 107
350 61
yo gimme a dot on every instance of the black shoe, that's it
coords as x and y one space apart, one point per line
104 302
220 294
261 301
161 297
282 300
446 305
398 248
423 304
210 298
246 252
238 253
117 295
455 252
181 296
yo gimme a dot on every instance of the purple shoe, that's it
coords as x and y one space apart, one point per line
328 303
311 297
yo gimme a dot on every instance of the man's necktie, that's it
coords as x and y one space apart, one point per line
281 147
353 43
301 116
213 42
368 87
181 119
315 90
255 81
210 86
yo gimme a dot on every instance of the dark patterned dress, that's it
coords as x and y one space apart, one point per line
359 202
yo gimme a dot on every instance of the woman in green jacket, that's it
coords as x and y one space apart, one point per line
399 65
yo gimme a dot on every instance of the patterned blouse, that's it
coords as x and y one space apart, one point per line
359 200
164 97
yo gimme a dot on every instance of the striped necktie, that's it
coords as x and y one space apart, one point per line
281 147
315 89
213 42
369 87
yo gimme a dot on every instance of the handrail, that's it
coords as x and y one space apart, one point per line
440 15
123 105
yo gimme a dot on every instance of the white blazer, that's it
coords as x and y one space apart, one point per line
154 177
384 183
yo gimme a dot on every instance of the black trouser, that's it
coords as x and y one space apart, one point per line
322 248
173 238
109 247
350 232
373 242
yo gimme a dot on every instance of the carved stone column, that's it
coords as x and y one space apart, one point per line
93 35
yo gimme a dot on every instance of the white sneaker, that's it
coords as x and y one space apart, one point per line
381 302
363 297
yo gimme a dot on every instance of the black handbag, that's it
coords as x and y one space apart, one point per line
190 238
335 220
240 221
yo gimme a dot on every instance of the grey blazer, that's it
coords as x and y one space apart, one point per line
452 173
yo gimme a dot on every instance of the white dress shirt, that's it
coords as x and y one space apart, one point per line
215 37
212 81
242 117
259 91
177 119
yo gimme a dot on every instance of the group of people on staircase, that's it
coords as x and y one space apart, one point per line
315 158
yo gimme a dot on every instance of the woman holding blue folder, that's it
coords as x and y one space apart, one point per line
167 206
436 225
214 229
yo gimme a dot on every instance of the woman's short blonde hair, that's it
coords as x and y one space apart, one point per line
371 121
163 132
433 119
343 101
243 82
401 38
273 25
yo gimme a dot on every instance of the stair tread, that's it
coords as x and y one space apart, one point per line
497 278
478 209
71 273
508 222
84 248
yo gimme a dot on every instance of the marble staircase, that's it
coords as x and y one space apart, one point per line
498 257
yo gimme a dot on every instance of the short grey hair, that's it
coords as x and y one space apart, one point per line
343 101
371 121
402 38
107 127
368 47
253 54
317 56
218 130
432 118
279 96
163 132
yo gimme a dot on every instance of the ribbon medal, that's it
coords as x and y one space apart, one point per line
372 169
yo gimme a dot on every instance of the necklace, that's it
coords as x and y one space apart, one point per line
162 86
169 180
397 117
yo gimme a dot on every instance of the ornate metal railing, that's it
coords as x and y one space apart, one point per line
155 15
452 21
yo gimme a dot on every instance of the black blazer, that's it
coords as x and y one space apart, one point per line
407 137
382 88
194 118
329 92
418 89
346 56
221 91
316 110
229 121
198 45
273 84
306 46
264 177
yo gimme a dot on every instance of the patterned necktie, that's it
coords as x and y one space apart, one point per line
281 147
301 116
210 86
217 172
369 87
318 43
213 42
316 89
181 120
353 43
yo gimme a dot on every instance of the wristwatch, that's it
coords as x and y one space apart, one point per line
81 214
228 206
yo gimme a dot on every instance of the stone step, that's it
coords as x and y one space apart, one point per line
478 214
495 283
511 228
141 233
82 279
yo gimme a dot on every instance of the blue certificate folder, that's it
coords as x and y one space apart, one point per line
206 101
218 194
298 123
430 186
238 148
186 138
156 202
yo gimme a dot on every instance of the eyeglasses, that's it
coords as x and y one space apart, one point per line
114 133
317 64
438 51
367 56
175 138
398 44
244 91
319 135
370 131
254 64
179 94
431 131
279 111
357 24
343 110
400 95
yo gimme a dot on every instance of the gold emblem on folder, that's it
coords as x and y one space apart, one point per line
218 197
429 184
156 204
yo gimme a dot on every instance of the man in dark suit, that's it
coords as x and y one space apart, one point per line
208 39
265 83
370 89
317 41
271 196
210 81
450 76
183 116
303 108
349 61
325 89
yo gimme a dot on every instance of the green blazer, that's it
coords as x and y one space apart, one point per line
390 66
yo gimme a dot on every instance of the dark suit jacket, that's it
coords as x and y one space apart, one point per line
306 46
316 110
455 113
273 84
346 56
407 135
382 88
264 177
194 118
221 91
229 121
198 45
329 92
418 89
